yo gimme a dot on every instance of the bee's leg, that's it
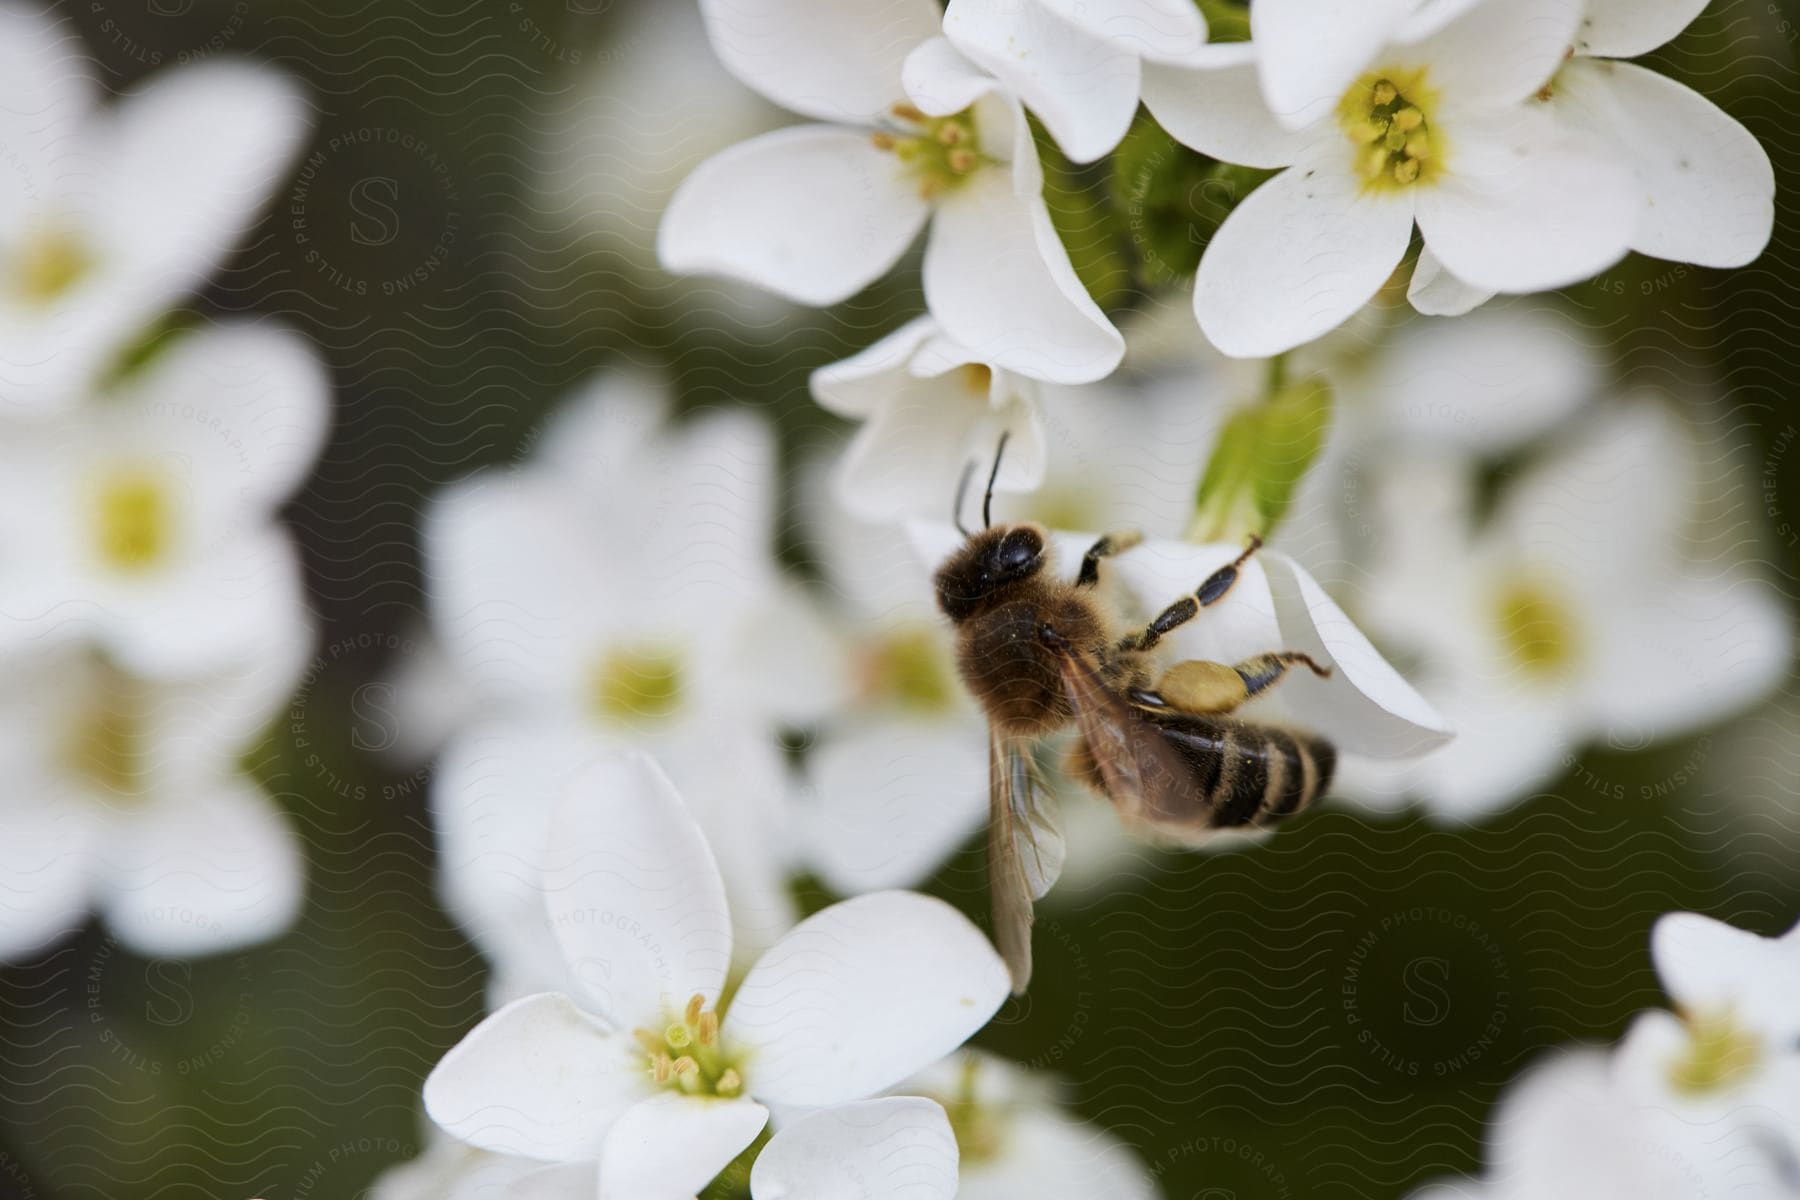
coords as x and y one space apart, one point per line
1184 610
1116 542
1204 687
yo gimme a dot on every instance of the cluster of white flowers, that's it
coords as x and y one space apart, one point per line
151 611
1701 1101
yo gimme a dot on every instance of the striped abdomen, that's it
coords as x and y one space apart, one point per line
1243 774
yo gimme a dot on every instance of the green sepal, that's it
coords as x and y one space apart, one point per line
1262 455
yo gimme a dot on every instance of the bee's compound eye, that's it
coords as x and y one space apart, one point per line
1018 552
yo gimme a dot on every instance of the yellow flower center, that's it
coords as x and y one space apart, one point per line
1387 117
1720 1053
48 264
1061 506
637 684
686 1055
106 743
1535 627
978 379
134 519
980 1129
939 152
910 669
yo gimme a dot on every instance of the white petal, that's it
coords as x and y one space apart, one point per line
1049 1156
836 60
1365 707
891 801
999 281
1710 968
1707 189
247 405
571 1181
606 427
909 456
634 895
1492 55
1168 30
1082 87
861 995
192 157
1628 28
538 1078
864 383
48 92
1437 293
209 869
940 80
1312 50
49 866
1488 382
813 212
1526 216
671 1146
1220 112
895 1148
1301 254
1510 741
1679 651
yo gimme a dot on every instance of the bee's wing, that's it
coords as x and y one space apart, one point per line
1025 849
1145 776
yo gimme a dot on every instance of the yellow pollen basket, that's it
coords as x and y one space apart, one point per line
687 1056
134 519
48 264
1387 117
1720 1053
1536 628
632 685
939 152
910 669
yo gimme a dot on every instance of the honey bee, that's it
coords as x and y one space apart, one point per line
1041 654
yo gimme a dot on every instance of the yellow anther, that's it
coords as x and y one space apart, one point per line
960 160
708 1028
1418 146
951 132
1384 92
882 141
1395 139
649 1041
730 1083
907 112
1406 170
1409 118
662 1068
686 1065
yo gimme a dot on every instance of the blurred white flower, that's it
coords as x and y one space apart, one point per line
126 795
1701 1102
144 520
1016 1141
1076 64
453 1170
891 1148
617 591
1573 613
1442 129
659 1073
818 212
110 215
1705 187
929 408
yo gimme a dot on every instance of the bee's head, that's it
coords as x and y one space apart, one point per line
979 574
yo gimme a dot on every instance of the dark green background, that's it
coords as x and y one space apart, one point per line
1204 1011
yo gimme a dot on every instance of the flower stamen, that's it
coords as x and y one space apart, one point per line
939 152
1386 112
686 1054
1720 1053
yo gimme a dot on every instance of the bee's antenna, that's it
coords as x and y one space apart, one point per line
987 501
962 490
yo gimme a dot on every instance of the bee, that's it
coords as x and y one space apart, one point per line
1041 655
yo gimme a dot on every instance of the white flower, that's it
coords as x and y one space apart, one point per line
817 212
1702 1102
1441 129
1016 1141
110 215
452 1170
649 1073
144 521
1574 613
929 408
1705 187
126 795
1077 63
619 590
